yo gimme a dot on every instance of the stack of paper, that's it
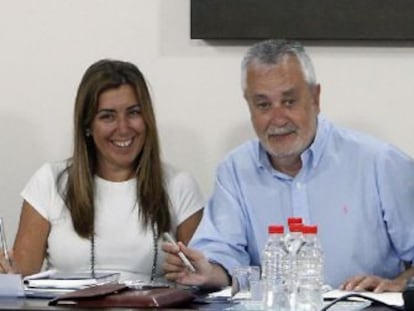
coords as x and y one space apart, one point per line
389 298
72 280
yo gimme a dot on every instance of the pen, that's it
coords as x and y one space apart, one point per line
3 241
40 275
185 260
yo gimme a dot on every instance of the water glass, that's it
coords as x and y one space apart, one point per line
243 278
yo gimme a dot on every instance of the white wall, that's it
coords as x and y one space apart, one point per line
45 46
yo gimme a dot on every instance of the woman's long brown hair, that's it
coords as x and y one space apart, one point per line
78 192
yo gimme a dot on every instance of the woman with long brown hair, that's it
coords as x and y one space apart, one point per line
106 207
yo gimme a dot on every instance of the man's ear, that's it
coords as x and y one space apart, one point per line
316 93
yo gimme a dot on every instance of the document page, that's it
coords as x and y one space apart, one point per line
390 298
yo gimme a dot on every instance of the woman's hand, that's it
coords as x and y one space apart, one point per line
6 265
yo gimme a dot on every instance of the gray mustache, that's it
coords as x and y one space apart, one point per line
281 130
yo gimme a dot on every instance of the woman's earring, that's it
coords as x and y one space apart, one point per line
88 132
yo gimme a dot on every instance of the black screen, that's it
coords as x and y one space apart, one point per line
303 19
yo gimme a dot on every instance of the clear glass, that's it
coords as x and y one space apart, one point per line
242 279
4 248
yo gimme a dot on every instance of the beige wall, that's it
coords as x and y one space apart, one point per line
45 46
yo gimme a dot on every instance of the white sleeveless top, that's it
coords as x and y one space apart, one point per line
122 244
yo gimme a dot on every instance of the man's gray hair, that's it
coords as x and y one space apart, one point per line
271 52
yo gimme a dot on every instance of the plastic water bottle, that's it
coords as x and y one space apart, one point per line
294 242
274 271
309 272
293 238
275 233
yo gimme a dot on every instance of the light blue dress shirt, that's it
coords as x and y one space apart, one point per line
357 189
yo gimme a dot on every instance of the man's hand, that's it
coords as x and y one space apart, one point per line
373 283
206 274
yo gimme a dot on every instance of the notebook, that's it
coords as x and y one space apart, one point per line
69 280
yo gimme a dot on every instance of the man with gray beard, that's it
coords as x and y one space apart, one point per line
357 189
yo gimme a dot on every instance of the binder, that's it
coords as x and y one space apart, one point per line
120 295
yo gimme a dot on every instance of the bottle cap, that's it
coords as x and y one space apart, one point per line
275 229
310 229
294 220
296 227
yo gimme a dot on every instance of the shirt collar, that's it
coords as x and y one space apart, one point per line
314 153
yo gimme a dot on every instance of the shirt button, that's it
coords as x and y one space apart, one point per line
298 185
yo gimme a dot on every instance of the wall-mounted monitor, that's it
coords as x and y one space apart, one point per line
303 19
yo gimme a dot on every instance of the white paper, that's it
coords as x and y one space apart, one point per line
69 280
42 274
11 285
225 293
390 298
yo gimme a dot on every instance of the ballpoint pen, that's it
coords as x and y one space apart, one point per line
3 241
184 259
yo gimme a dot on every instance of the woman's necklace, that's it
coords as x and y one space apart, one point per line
154 260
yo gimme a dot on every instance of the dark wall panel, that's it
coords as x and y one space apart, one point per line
303 19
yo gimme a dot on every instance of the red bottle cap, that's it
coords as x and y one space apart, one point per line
275 229
296 227
294 220
310 229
